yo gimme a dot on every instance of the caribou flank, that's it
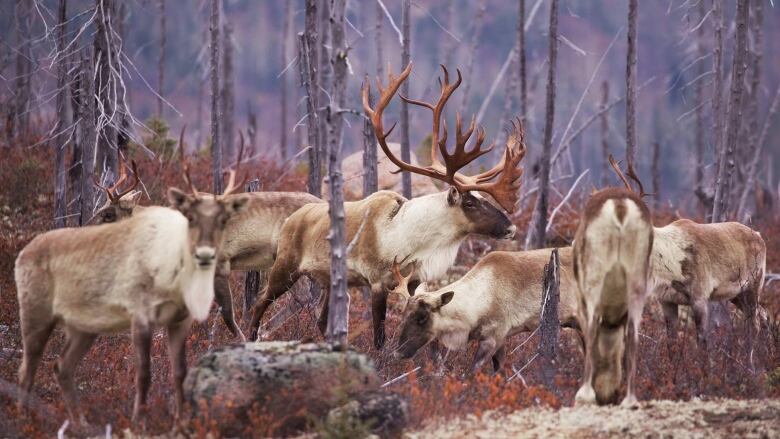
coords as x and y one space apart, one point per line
499 297
429 229
612 249
154 269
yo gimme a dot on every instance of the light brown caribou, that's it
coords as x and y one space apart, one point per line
612 248
499 297
251 236
429 229
152 270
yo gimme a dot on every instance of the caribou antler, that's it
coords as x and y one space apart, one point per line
504 190
402 288
232 186
631 174
112 192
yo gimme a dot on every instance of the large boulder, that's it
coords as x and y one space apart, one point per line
276 388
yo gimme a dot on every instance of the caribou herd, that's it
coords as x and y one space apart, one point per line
151 267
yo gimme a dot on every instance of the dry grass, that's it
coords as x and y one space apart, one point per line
105 378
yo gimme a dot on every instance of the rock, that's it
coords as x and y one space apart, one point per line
384 414
280 387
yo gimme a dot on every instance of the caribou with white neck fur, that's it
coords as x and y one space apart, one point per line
154 269
429 229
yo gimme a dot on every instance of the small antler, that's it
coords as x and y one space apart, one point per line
631 174
232 186
402 288
112 192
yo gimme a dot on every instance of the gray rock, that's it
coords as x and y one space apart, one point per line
279 386
381 413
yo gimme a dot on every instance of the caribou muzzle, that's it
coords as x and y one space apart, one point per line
205 256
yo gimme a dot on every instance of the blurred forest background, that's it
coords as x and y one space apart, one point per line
476 36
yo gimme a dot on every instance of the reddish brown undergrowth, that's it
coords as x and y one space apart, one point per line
105 377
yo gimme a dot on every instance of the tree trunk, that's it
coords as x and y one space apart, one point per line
699 139
308 51
338 316
60 147
536 231
106 88
284 60
216 116
380 54
521 55
370 162
717 93
475 33
228 98
325 73
604 134
726 167
19 117
549 323
74 172
655 172
161 66
88 136
631 83
406 177
251 128
123 126
252 278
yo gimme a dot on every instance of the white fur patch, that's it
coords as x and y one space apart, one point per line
199 292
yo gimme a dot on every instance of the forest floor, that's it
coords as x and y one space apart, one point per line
718 418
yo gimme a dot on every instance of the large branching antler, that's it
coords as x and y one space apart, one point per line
504 190
112 192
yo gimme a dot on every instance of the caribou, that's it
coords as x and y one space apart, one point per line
152 270
429 229
499 297
612 248
251 236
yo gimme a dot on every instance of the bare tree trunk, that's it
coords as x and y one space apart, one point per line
88 136
161 66
60 147
549 323
228 99
123 126
380 54
406 26
475 33
252 278
750 130
216 116
726 167
338 316
199 113
284 60
604 134
74 172
19 118
450 45
106 88
536 231
717 92
370 173
251 128
521 55
699 139
631 83
325 73
655 172
308 53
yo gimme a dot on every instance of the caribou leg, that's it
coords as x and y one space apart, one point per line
224 299
35 334
485 351
77 345
142 342
378 314
177 344
281 278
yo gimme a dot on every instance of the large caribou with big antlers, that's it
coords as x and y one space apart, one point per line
251 235
429 229
152 270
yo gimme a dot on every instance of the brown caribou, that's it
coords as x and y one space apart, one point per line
429 229
152 270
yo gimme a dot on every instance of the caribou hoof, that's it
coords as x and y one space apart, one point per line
629 401
585 396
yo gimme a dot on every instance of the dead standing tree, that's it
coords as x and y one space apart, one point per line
325 74
631 84
699 103
107 89
406 53
475 33
88 135
536 231
549 322
18 120
604 133
283 89
228 98
59 142
717 95
338 309
726 162
308 62
216 150
161 65
370 162
379 16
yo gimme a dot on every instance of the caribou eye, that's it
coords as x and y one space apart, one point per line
469 203
109 217
421 318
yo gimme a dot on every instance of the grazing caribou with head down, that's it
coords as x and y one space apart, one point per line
154 269
612 249
499 297
251 235
429 229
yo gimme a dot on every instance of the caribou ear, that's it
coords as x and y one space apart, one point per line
237 203
178 199
445 298
130 200
453 196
